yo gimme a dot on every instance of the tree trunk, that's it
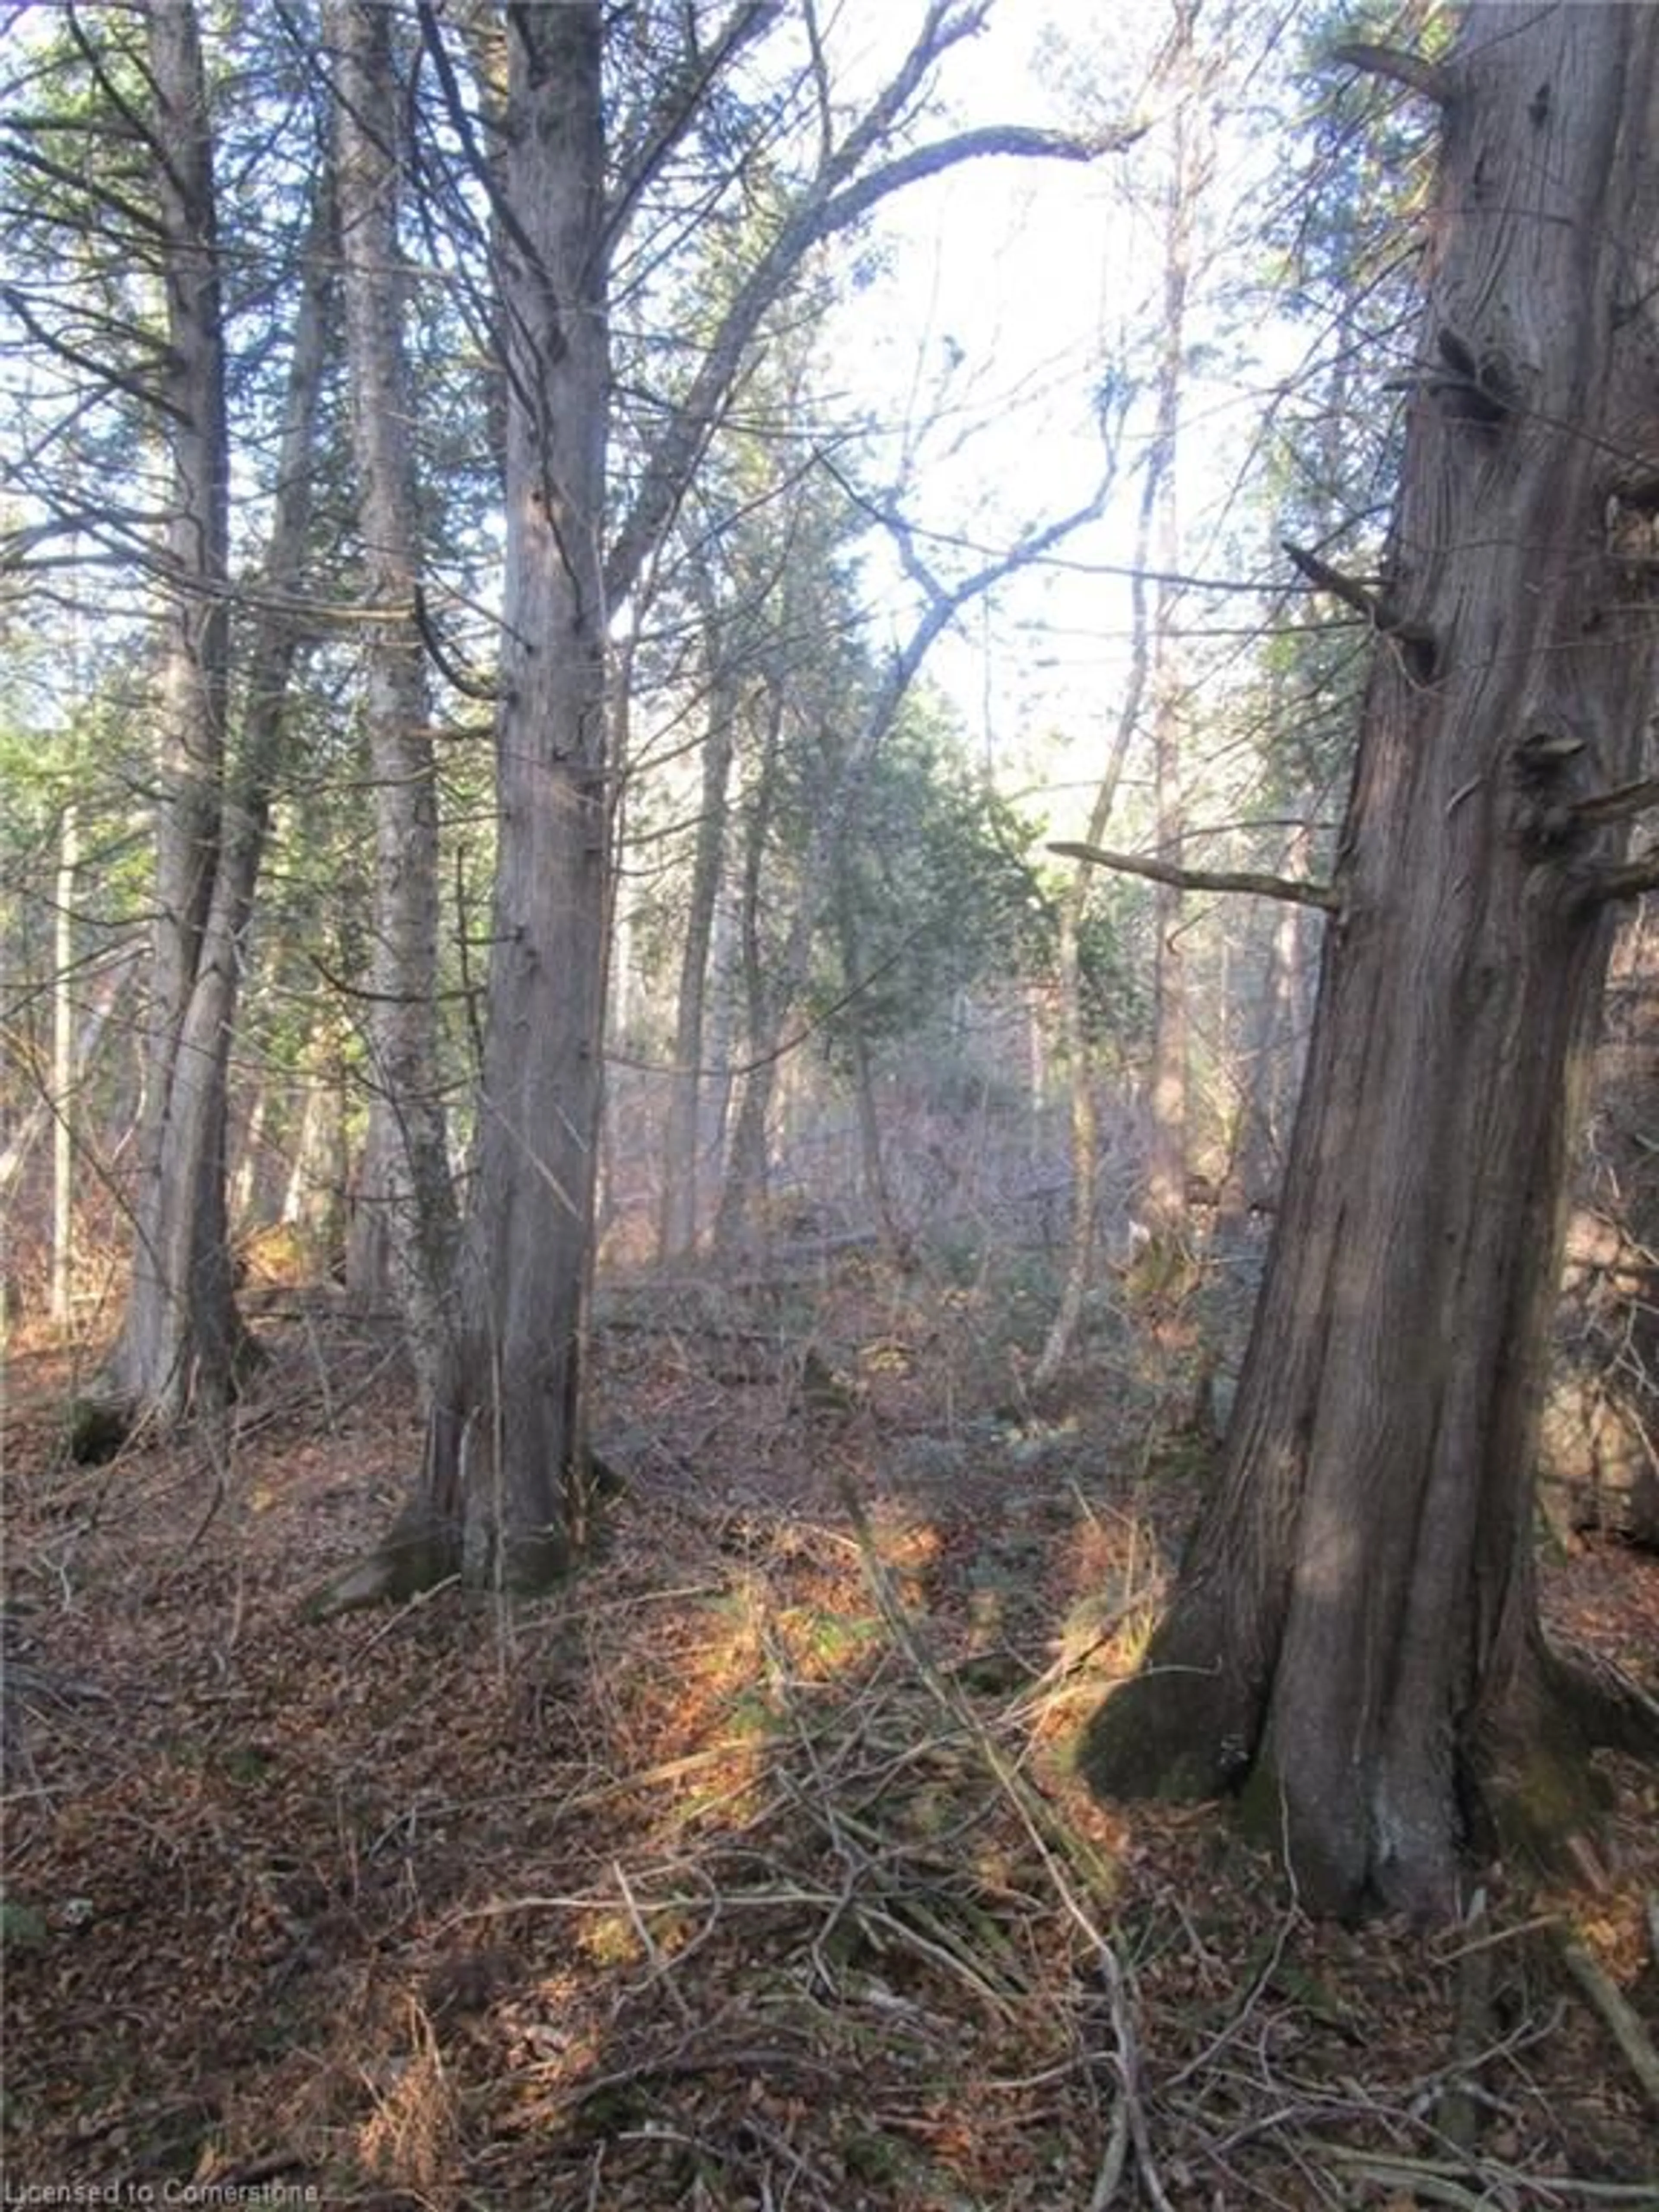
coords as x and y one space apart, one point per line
503 1481
1164 1199
877 1191
179 1334
64 1110
183 1338
1354 1636
743 1188
501 1492
677 1232
1083 1129
404 1229
1164 1196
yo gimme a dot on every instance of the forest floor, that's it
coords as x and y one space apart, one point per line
750 1872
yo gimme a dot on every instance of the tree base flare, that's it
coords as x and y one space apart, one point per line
1171 1732
405 1566
1544 1800
424 1551
1523 1784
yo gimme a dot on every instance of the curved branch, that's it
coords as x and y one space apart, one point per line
1286 889
470 687
1630 798
1415 71
826 209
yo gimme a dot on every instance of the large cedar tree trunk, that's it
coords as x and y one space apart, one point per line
1354 1639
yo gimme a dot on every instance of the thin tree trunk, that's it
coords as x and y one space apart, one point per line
314 1197
1274 1055
105 995
63 1071
1083 1121
1354 1639
676 1233
182 1340
743 1188
404 1227
837 813
876 1190
1164 1196
1164 1199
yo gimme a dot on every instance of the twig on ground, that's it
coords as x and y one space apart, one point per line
1128 2072
1622 2022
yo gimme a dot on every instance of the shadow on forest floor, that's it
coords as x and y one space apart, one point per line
750 1872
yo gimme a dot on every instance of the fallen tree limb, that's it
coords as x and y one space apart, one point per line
1622 2022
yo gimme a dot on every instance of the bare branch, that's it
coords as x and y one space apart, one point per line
1631 879
1418 643
103 373
1624 2023
682 100
1324 578
1018 142
821 211
1247 880
457 678
1415 71
80 180
1620 805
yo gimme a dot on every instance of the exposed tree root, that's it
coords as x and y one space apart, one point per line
1523 1784
409 1564
424 1551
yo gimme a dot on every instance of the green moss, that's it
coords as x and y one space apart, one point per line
1167 1734
1541 1796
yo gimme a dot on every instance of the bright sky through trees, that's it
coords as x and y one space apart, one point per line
998 313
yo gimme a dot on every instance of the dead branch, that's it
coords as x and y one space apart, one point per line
1415 71
470 687
1631 879
1128 2058
1324 578
1369 605
1459 2115
1620 805
1247 880
1622 2022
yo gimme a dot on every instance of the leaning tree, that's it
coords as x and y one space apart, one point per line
1353 1642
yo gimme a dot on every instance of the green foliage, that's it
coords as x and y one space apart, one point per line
938 893
1340 258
